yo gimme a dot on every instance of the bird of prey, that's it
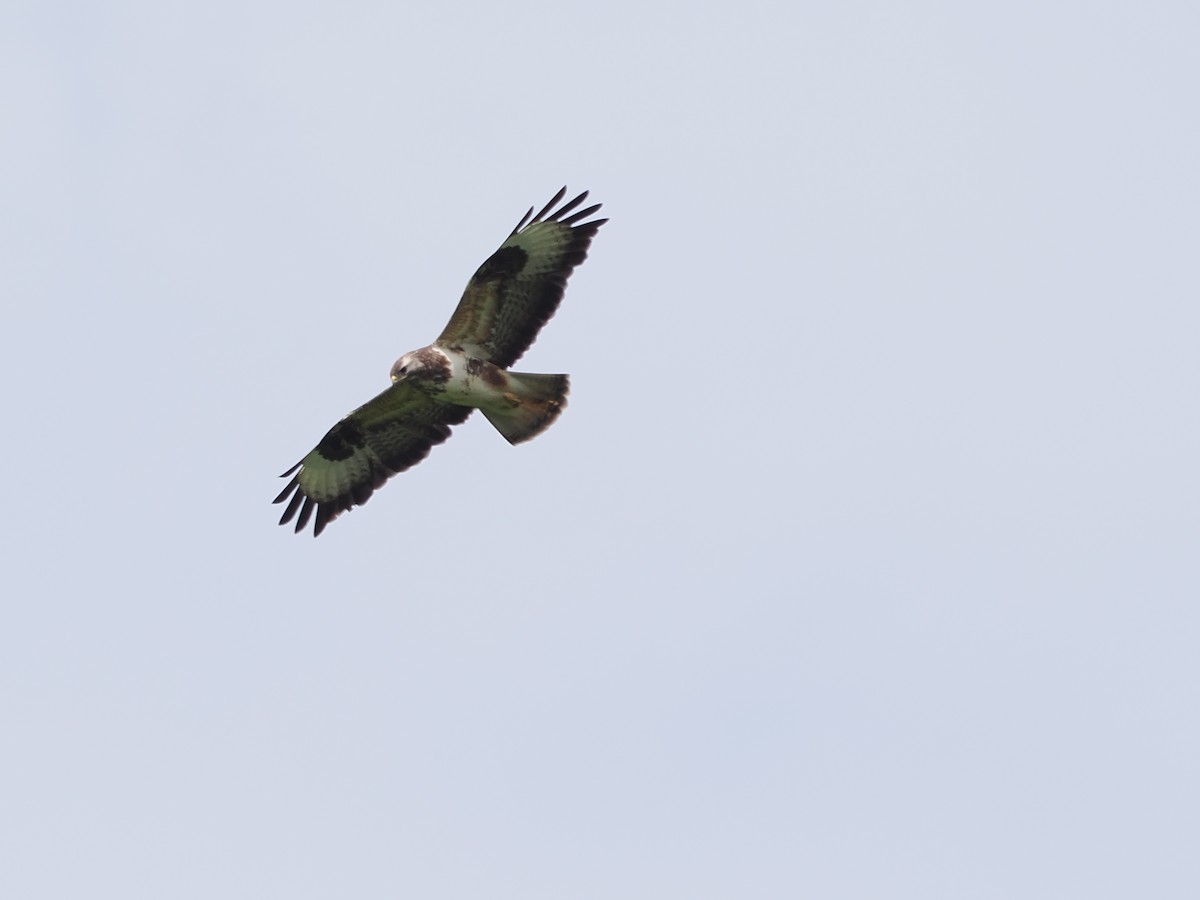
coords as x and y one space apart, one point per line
507 301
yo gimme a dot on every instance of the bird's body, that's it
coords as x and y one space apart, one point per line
521 405
515 291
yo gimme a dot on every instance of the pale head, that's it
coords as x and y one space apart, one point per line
405 366
427 364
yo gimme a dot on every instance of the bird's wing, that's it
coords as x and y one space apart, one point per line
518 288
384 436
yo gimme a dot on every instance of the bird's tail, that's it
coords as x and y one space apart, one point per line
530 404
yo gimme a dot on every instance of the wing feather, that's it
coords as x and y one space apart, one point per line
519 287
388 434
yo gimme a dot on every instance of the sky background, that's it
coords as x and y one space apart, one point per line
862 564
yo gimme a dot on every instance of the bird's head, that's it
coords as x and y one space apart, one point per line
408 364
429 365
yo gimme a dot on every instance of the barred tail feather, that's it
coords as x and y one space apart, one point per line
532 403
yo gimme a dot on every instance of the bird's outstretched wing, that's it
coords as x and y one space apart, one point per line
384 436
518 288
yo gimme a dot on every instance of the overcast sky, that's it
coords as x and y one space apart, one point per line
864 562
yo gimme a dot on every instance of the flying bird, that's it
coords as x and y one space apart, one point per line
506 303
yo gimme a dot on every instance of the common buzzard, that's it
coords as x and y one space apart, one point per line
509 298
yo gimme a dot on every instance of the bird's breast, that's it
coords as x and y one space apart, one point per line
474 381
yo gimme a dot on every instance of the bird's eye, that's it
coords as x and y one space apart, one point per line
403 370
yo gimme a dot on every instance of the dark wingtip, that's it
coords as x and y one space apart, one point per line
582 214
291 508
306 511
291 486
558 214
561 214
524 219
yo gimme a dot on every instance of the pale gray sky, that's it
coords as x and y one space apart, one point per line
863 563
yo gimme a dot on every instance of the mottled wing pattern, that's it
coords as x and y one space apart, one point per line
518 288
384 436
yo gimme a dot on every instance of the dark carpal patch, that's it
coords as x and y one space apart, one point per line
504 263
341 441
